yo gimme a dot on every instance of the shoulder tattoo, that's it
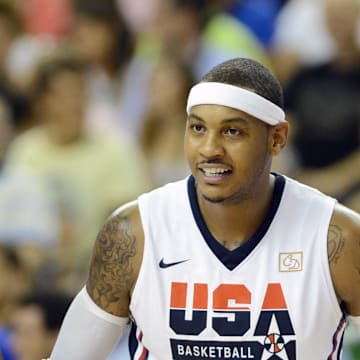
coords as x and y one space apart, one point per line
111 271
336 242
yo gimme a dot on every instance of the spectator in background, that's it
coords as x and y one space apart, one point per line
36 322
301 37
164 123
115 79
15 281
324 103
203 34
120 63
88 173
29 218
28 215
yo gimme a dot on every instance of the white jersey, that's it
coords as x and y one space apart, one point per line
271 298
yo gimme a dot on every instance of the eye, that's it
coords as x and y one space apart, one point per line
197 128
233 132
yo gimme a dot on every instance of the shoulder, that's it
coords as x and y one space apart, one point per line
30 139
26 149
116 260
344 228
32 135
124 218
344 216
344 256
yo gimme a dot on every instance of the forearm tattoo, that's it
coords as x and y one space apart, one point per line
336 243
111 270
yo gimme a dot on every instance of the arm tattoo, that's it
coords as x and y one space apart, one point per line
336 243
111 268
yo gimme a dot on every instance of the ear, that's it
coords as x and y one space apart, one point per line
278 138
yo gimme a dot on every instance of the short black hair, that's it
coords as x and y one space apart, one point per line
250 74
53 306
50 68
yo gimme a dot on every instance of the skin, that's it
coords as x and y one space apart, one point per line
341 20
116 261
221 137
31 339
62 107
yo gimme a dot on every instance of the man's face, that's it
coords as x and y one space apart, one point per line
228 152
63 104
66 95
175 23
94 40
31 339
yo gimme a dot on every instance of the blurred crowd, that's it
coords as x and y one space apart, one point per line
92 113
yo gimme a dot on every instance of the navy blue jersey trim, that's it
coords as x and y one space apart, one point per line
132 341
232 258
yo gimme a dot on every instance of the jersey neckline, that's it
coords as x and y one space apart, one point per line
232 258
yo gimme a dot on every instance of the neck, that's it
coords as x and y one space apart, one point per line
234 224
62 136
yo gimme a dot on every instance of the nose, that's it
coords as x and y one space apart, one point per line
212 147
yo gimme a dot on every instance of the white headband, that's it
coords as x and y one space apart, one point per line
235 97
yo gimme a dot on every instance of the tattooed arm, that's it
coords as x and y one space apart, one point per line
98 315
116 261
344 257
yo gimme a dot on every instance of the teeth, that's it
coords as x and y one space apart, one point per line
214 171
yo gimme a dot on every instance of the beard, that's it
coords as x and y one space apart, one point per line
246 191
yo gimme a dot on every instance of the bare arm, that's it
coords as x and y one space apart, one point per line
344 257
116 261
98 315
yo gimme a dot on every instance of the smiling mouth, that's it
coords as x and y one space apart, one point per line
214 172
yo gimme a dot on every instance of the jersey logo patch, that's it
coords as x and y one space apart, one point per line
290 262
164 265
203 319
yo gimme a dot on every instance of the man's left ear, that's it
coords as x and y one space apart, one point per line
279 135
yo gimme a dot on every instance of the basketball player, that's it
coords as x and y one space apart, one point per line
233 262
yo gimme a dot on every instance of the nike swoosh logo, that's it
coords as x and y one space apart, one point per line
164 265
